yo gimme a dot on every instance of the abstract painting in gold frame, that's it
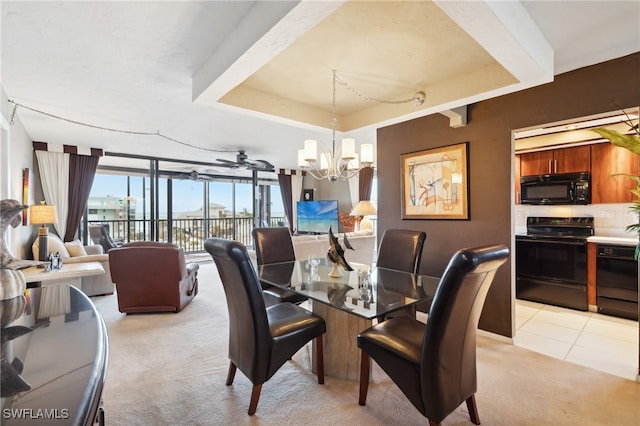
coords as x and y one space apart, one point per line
435 183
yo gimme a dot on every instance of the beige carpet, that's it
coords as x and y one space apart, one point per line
170 369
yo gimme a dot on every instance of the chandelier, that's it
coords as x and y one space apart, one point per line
345 163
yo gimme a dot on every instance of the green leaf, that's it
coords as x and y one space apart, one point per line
630 142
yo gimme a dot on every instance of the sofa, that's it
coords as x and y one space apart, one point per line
363 242
75 252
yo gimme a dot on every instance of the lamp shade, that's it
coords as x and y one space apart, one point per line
366 153
363 208
42 214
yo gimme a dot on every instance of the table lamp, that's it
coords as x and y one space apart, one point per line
42 214
363 208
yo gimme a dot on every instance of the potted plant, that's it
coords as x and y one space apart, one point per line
631 142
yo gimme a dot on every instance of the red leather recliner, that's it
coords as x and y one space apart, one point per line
152 277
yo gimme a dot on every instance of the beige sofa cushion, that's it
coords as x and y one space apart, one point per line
55 246
75 248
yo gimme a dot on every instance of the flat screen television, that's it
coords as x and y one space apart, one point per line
315 217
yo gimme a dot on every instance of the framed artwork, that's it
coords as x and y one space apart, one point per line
435 183
307 194
25 195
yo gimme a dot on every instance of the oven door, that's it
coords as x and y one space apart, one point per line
553 259
552 272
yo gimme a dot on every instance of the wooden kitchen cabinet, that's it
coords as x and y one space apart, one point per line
609 159
562 160
516 166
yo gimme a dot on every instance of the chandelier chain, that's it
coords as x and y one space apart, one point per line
334 120
418 98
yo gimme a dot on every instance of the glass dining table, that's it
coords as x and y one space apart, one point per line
349 303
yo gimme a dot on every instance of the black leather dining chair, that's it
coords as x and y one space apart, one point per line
274 245
434 365
261 339
401 249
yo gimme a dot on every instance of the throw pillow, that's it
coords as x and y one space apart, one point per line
75 248
57 246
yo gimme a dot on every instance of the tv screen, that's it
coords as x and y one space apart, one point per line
317 216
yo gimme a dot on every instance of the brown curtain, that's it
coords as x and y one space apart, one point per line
365 182
82 170
284 180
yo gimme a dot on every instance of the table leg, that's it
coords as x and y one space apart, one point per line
341 353
71 281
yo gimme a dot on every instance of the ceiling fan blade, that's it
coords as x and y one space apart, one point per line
260 165
226 161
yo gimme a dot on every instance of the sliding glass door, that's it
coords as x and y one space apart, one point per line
180 208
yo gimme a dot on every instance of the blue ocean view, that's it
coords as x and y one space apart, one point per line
317 224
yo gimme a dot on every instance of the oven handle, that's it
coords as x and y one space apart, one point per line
545 241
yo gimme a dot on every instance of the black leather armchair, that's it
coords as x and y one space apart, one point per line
261 339
274 245
435 365
100 235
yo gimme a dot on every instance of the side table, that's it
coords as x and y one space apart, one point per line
69 274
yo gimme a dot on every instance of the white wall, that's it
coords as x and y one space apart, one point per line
325 190
16 153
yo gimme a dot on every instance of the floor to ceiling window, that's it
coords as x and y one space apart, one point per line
181 208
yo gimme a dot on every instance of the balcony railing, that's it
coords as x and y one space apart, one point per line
188 234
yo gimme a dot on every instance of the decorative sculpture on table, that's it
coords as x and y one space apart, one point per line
338 295
336 255
13 282
12 380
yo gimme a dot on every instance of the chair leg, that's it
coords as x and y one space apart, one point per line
432 423
473 409
231 374
255 396
320 359
365 364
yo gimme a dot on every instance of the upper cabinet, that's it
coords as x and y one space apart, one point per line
563 160
608 160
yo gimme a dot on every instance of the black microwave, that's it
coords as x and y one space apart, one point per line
564 188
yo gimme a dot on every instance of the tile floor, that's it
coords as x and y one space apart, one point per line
602 342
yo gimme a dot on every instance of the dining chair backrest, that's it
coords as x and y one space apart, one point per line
448 358
401 249
249 336
273 245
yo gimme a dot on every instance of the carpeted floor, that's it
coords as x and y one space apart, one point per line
170 369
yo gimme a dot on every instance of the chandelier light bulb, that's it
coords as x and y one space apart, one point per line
344 164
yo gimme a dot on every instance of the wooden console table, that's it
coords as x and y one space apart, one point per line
70 273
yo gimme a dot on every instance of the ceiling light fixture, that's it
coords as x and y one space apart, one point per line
346 163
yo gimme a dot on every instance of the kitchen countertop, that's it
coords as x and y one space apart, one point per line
625 241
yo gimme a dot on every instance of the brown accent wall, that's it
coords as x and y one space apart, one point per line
596 89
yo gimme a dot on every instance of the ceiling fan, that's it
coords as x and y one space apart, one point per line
242 162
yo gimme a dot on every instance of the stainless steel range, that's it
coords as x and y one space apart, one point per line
551 261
